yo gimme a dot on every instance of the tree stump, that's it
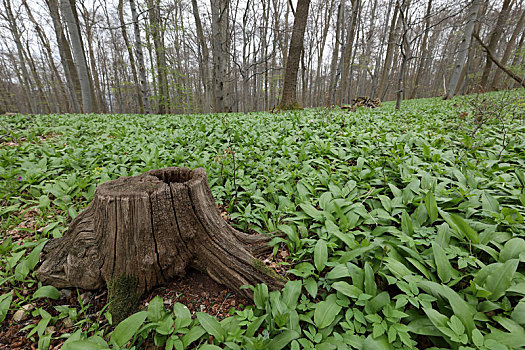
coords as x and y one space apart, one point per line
142 231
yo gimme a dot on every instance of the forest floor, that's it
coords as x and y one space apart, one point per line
397 229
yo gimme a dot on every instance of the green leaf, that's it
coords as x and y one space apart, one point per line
320 255
260 296
47 292
254 326
126 329
370 283
311 211
518 314
211 325
193 334
311 286
431 206
477 337
209 347
462 227
347 289
489 203
500 278
339 271
84 345
183 315
444 269
280 341
291 293
325 311
380 343
512 249
406 224
5 303
155 309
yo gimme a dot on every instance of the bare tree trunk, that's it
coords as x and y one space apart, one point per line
26 81
348 50
495 35
70 71
160 55
335 54
205 57
144 89
220 12
405 52
509 49
423 53
381 90
130 54
289 98
78 52
463 48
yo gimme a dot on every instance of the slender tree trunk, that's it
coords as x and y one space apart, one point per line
160 55
348 51
509 49
335 54
381 90
204 62
26 81
70 71
463 48
144 88
423 51
220 11
289 98
78 52
495 36
132 63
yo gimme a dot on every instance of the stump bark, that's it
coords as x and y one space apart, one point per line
140 232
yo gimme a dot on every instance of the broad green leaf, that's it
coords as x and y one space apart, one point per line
406 224
5 303
254 326
283 339
260 296
431 206
291 293
211 325
182 314
500 278
47 292
380 343
512 249
462 227
320 255
518 314
311 211
489 203
347 289
126 329
311 286
463 310
85 345
155 309
339 271
444 269
370 283
193 334
326 311
209 347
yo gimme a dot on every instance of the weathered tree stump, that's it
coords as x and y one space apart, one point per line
142 231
